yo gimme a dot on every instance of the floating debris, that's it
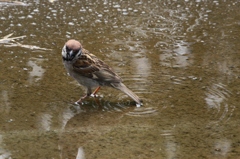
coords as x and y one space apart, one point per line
7 39
10 42
10 2
32 47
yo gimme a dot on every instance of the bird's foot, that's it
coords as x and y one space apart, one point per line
79 102
139 105
94 95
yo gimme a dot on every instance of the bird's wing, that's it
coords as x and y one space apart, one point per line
85 64
90 66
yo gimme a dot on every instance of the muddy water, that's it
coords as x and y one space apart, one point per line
181 58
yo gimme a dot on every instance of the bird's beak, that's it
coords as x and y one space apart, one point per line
70 55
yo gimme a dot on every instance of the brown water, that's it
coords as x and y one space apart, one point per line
181 58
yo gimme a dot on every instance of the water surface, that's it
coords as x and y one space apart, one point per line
181 58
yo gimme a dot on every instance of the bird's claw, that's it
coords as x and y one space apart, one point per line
139 105
78 103
93 95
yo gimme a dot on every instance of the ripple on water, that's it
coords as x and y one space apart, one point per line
142 112
217 97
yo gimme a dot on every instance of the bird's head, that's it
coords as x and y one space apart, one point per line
71 50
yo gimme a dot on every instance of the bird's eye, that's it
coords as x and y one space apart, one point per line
75 51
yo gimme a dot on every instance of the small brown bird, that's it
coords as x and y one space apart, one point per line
91 72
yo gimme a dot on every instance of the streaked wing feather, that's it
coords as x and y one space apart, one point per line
85 67
106 75
89 65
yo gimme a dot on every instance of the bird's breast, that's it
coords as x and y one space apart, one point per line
69 67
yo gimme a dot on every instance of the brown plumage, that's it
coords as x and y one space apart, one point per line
90 71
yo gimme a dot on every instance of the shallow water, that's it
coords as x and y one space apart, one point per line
181 58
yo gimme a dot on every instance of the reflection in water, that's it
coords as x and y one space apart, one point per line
182 48
68 113
181 58
62 116
183 54
45 121
222 147
171 146
5 106
80 153
37 71
3 153
143 67
201 16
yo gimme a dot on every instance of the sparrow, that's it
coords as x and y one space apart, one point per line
91 72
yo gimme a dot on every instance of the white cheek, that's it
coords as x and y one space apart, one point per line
64 53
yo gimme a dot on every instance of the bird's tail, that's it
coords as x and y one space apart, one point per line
127 91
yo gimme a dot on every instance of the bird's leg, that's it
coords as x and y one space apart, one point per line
89 92
95 92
